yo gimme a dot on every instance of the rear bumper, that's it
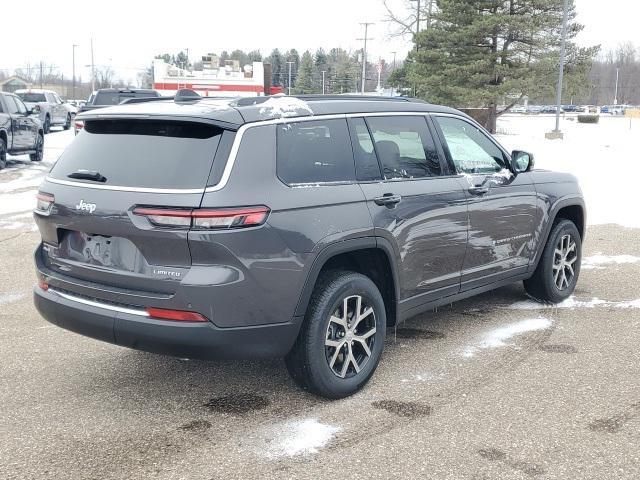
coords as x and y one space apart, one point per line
182 339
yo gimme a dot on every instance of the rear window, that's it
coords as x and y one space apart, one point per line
315 152
142 153
114 98
32 97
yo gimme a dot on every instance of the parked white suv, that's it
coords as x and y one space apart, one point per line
53 111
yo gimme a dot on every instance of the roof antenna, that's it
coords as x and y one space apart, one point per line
186 95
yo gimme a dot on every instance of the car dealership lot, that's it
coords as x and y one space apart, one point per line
492 387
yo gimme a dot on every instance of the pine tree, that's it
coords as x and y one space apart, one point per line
277 67
304 80
479 52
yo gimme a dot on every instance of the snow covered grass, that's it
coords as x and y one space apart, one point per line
572 303
499 337
599 261
604 157
300 437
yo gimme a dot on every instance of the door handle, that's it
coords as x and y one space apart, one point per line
479 190
388 200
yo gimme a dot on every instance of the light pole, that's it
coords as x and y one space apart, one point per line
557 134
290 63
93 70
615 98
74 71
323 74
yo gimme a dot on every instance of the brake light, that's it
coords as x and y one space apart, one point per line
205 219
175 315
44 201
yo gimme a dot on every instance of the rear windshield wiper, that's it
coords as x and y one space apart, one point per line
88 175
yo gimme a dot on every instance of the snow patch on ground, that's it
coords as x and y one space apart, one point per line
598 261
6 298
300 437
572 303
22 202
499 337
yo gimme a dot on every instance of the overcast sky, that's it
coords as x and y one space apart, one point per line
127 34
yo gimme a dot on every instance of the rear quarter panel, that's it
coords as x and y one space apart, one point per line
274 260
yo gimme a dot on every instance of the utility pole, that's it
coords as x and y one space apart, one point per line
557 134
290 63
364 52
41 74
323 74
74 71
93 70
417 21
615 98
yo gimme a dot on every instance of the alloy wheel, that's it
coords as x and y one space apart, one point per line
564 259
350 336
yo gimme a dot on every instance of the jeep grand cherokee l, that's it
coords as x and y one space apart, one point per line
297 227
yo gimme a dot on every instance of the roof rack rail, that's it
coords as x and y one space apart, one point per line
129 101
368 98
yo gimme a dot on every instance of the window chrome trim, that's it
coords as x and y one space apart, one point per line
226 174
106 306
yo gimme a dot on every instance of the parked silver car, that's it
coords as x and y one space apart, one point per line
53 111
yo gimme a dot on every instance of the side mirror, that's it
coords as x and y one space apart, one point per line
35 110
521 162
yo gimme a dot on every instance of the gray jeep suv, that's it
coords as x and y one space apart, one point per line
300 227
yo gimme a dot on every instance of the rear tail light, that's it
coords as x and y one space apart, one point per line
79 124
175 315
205 219
44 202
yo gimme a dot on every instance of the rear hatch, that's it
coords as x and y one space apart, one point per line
89 207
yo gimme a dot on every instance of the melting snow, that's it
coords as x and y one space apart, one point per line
302 437
499 337
598 261
571 302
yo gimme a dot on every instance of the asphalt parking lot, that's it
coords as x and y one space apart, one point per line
492 387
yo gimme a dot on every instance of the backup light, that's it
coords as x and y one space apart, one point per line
44 201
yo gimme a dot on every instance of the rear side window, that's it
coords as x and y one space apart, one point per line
314 152
32 97
142 153
367 167
405 147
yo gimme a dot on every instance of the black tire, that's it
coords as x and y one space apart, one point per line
3 153
309 360
67 124
543 285
47 124
37 157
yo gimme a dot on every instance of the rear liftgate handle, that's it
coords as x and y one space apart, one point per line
389 200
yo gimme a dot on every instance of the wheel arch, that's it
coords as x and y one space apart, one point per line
371 256
570 208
